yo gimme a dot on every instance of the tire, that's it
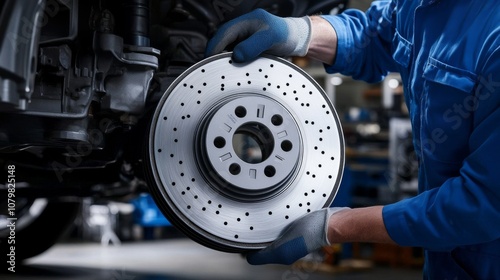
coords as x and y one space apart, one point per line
40 224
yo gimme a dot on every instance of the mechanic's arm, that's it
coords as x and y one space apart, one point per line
353 43
323 228
323 45
465 209
358 225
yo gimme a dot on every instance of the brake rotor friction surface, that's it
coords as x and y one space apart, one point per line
238 151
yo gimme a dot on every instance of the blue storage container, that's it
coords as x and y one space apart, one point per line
146 213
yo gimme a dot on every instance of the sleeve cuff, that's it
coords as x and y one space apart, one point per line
398 228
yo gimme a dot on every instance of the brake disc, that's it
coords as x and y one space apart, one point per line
238 151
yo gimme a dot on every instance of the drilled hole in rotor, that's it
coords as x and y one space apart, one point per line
240 112
277 120
270 171
235 169
253 142
219 142
286 146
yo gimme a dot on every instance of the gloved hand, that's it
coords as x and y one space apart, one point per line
260 31
303 236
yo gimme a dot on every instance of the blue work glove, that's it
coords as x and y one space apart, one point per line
260 31
303 236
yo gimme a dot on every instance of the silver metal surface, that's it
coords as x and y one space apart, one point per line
238 151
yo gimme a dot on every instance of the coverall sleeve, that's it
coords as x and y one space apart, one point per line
364 42
465 210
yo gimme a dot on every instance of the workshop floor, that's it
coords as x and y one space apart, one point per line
177 258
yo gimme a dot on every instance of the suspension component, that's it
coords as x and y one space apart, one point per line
136 20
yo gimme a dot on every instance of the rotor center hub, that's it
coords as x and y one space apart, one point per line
252 143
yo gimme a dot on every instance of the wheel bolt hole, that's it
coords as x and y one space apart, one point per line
277 120
270 171
240 112
286 146
219 142
235 169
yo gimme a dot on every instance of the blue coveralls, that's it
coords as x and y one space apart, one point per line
448 54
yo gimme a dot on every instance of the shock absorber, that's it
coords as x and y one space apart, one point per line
136 22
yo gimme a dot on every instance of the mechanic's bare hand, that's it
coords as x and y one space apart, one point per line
303 236
260 31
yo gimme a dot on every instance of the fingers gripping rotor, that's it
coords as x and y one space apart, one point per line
258 32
